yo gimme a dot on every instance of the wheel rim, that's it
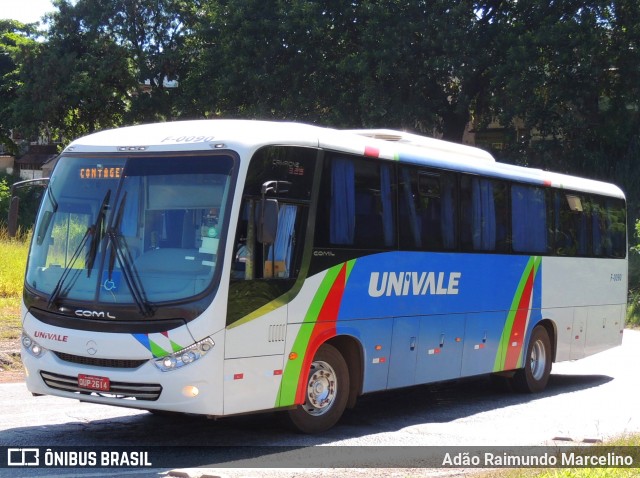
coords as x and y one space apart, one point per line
321 389
538 360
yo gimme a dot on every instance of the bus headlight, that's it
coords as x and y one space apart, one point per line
31 346
185 356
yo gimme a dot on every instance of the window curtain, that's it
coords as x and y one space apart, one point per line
414 220
387 205
448 214
281 250
342 214
597 220
582 233
529 219
615 240
483 212
559 240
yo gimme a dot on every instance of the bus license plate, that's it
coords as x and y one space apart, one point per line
92 382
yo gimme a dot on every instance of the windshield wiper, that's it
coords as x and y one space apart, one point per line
97 229
94 230
121 252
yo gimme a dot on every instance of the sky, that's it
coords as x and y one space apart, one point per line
26 11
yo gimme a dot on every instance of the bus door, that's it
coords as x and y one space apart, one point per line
265 267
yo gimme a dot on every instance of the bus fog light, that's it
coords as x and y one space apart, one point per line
186 356
190 391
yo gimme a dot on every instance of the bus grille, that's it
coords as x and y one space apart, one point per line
100 362
138 391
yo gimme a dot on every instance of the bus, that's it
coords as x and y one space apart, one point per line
221 267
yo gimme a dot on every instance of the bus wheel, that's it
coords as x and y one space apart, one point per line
326 392
534 376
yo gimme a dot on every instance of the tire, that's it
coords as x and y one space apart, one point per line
534 376
326 392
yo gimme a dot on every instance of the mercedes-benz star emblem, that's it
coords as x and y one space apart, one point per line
92 347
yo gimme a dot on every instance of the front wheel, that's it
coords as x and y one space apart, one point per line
534 376
326 392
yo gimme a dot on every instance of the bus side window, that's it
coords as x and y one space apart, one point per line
484 215
427 205
617 222
571 219
608 229
529 219
360 196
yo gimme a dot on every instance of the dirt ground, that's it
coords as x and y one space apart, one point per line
10 364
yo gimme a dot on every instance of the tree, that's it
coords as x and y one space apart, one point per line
571 75
413 65
153 33
76 82
566 70
14 38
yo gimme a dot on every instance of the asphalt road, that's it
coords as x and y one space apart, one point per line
586 401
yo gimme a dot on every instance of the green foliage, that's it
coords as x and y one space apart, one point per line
562 77
14 38
13 260
393 64
29 202
5 197
570 80
75 83
636 236
633 306
633 309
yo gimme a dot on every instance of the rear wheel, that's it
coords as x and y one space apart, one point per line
534 376
326 392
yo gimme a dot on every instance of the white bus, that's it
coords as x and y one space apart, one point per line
225 267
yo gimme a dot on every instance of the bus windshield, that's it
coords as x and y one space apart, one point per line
135 230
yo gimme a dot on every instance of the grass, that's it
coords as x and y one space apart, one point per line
9 318
13 258
633 309
565 473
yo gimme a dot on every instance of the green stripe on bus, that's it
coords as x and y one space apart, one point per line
533 263
289 384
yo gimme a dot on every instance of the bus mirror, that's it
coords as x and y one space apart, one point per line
14 206
267 212
13 216
275 187
267 220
